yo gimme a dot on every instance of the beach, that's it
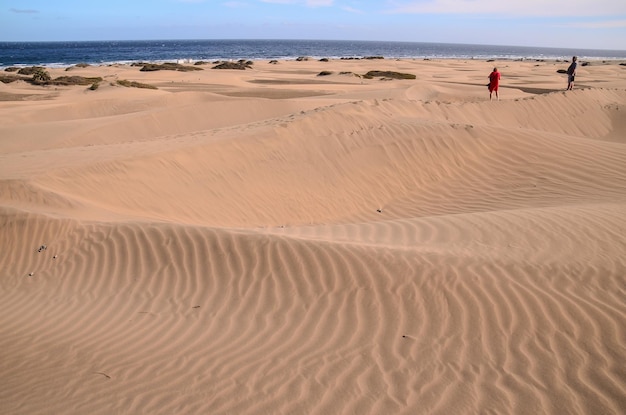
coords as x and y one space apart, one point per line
300 238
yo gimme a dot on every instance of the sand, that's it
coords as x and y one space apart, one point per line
271 241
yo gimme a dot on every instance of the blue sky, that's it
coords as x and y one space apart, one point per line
594 24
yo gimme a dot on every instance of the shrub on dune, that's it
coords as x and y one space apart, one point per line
388 74
134 84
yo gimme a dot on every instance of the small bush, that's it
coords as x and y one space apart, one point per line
29 70
388 74
41 76
74 80
7 79
78 65
168 66
241 65
134 84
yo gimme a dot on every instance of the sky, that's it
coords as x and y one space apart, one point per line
585 24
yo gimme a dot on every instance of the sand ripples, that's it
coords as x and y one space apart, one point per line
174 316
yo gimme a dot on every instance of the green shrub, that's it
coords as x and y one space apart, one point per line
41 76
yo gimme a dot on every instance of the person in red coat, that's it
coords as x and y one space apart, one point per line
494 82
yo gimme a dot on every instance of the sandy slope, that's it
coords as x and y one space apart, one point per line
271 241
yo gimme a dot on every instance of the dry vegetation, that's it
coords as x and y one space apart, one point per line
134 84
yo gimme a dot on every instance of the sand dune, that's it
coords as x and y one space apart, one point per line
271 241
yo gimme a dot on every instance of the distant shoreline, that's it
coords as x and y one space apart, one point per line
204 64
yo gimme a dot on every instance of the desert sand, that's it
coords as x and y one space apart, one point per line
271 241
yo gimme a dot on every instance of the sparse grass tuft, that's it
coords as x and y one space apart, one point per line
29 70
7 79
78 65
134 84
74 80
168 66
388 74
240 65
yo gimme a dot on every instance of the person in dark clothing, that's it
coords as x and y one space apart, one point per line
571 73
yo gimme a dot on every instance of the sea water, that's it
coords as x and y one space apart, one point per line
109 52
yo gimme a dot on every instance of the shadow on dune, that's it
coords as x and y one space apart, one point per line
533 90
529 90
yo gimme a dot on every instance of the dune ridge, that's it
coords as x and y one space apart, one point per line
351 246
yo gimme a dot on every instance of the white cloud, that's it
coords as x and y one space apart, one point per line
24 11
604 24
319 3
517 8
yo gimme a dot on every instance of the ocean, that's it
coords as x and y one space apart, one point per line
108 52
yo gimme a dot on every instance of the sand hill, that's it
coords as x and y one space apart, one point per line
272 241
